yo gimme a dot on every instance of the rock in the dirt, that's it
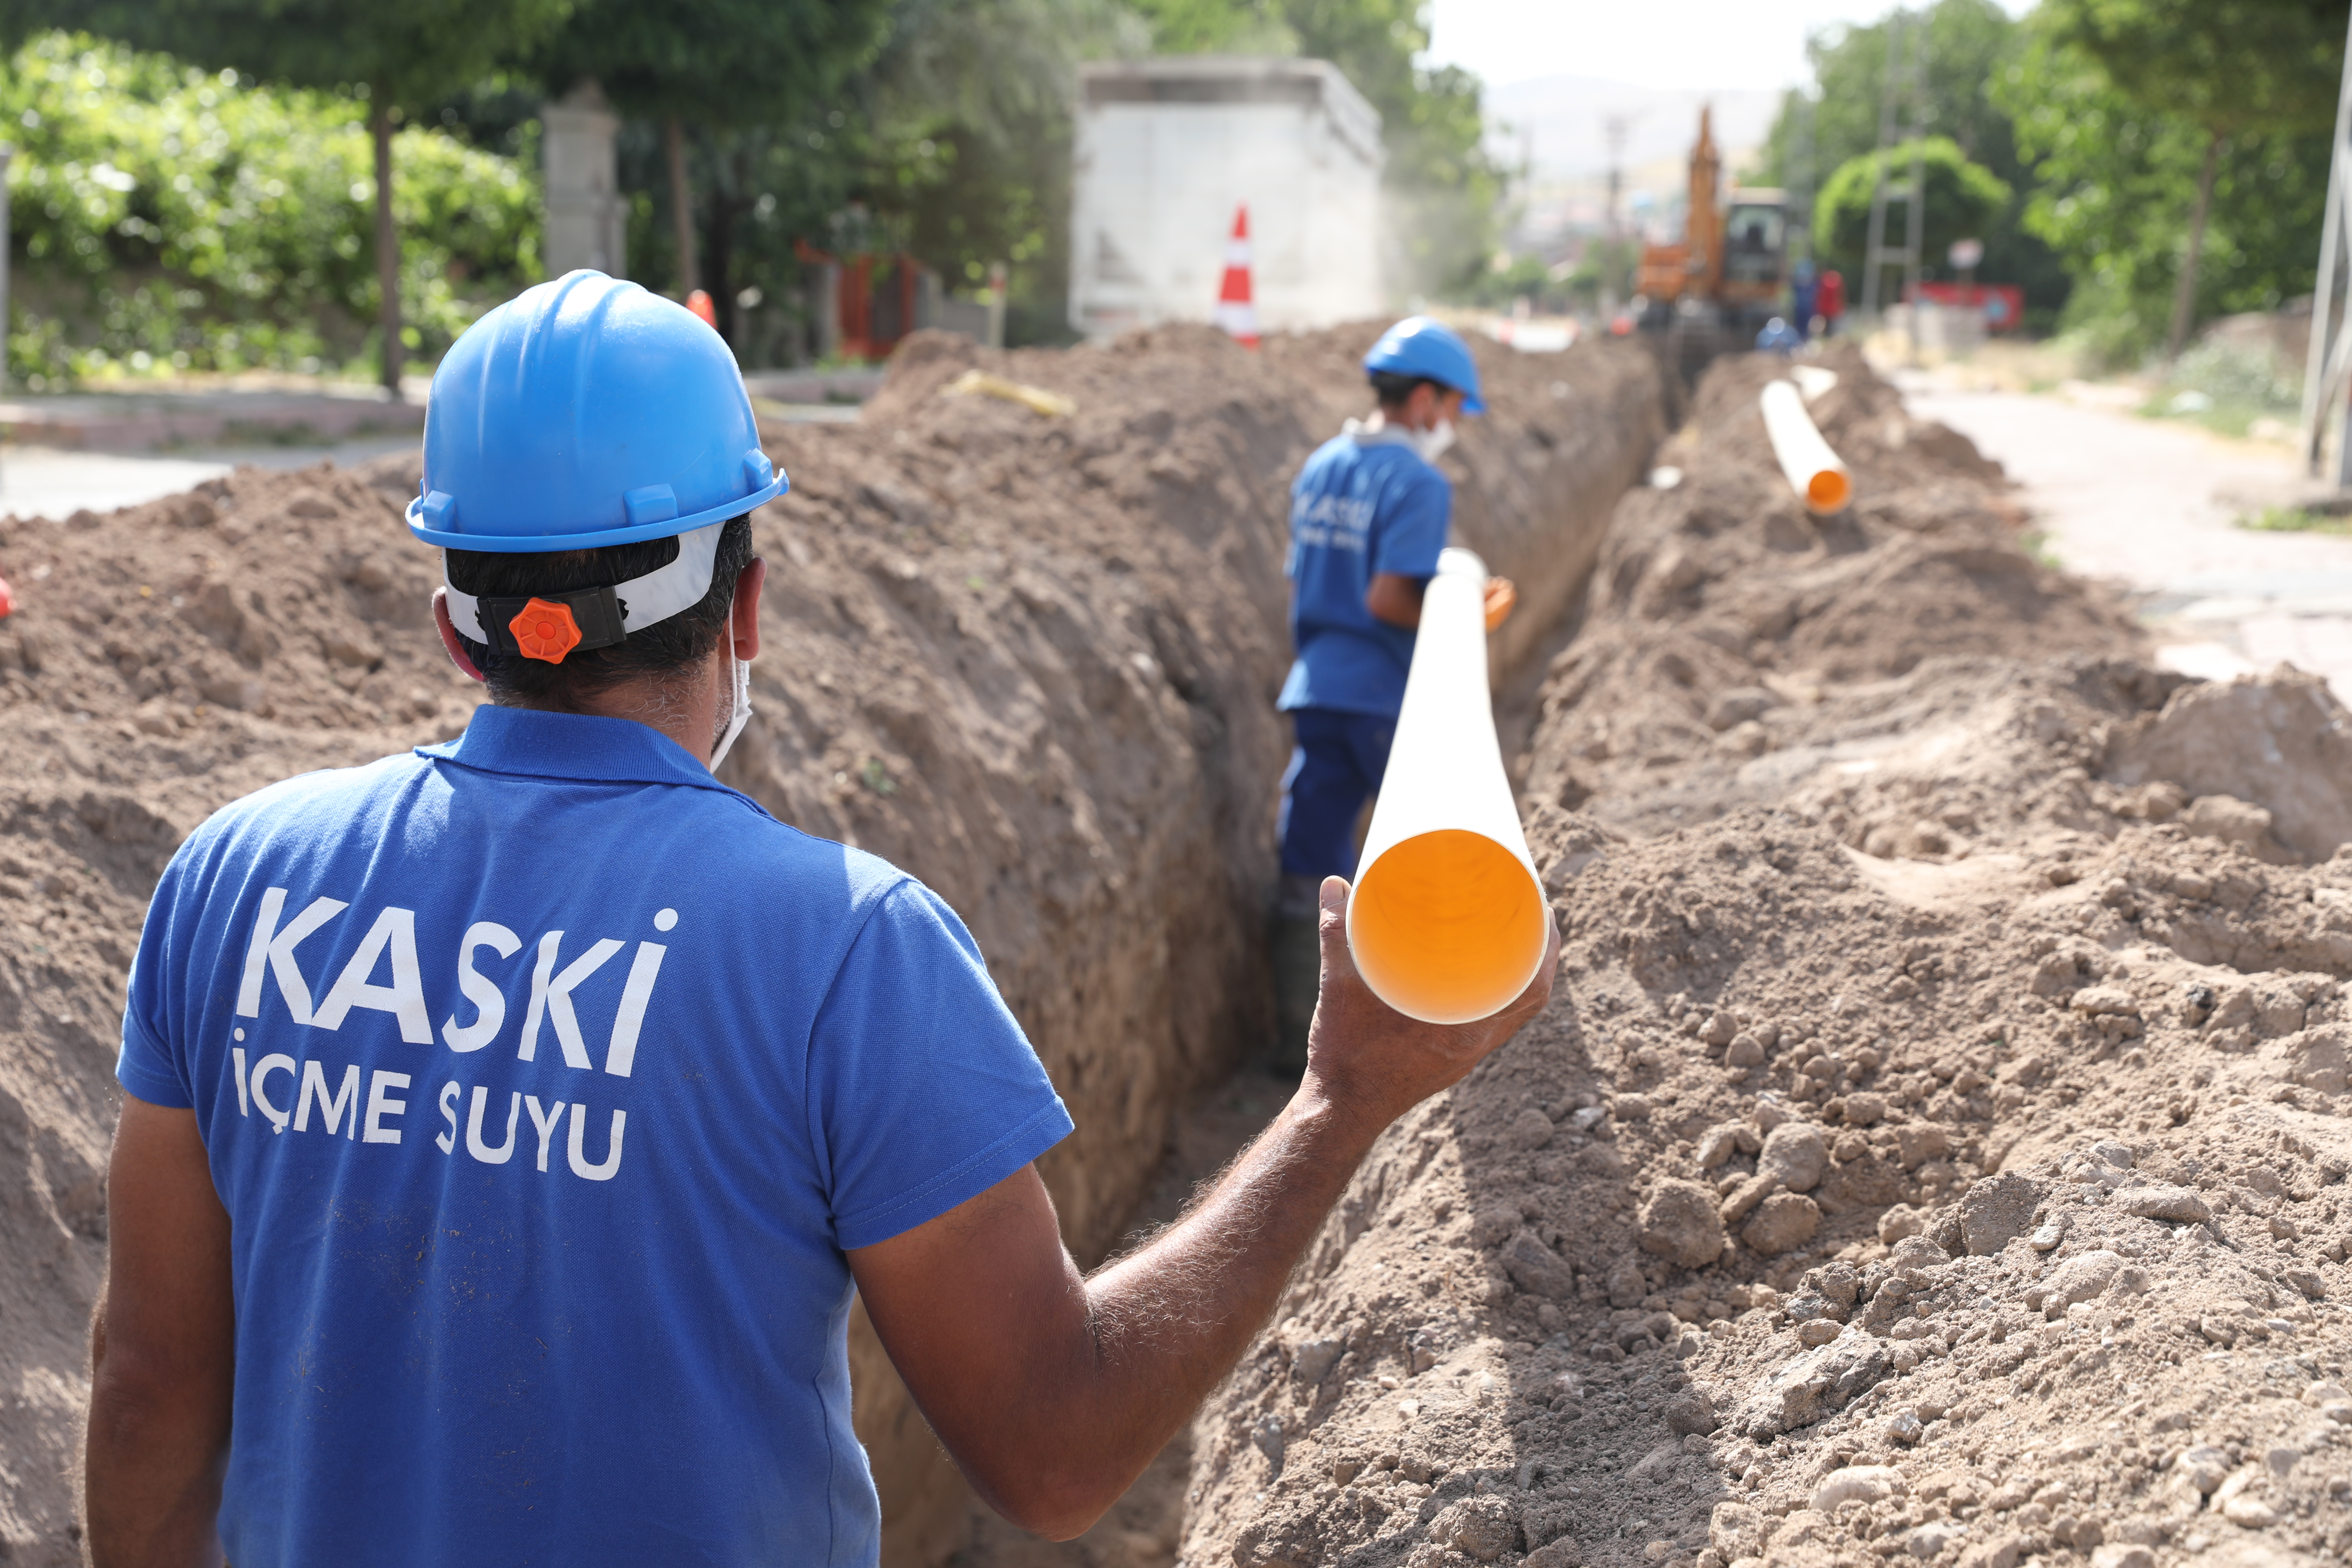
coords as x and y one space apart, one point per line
1560 1553
1717 1144
2080 1280
1815 1384
1311 1363
1929 1540
1537 1269
2001 1551
1745 1197
1531 1129
1678 1222
1795 1154
1783 1223
1918 1252
2122 1554
1626 1286
1691 1411
1858 1483
2181 1205
1900 1221
2204 1468
1997 1210
1738 1530
1480 1528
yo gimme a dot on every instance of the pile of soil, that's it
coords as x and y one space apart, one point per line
1030 657
1936 1147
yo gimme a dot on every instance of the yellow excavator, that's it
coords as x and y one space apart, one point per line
1728 275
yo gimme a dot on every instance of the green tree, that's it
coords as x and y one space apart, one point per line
406 57
2115 187
2233 69
168 217
719 67
1970 43
1963 200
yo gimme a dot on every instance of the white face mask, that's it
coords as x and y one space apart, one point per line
742 712
1433 442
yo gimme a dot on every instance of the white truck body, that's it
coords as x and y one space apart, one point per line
1167 148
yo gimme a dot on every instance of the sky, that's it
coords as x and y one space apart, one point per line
1670 44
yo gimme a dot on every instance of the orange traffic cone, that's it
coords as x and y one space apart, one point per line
699 303
1235 314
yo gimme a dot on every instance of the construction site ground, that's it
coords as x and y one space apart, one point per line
1936 1148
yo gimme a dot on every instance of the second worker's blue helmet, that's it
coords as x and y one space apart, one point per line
1421 346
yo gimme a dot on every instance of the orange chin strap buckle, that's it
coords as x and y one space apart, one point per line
545 631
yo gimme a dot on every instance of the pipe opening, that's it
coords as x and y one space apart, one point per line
1447 926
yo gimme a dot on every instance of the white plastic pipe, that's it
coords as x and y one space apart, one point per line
1447 922
1820 478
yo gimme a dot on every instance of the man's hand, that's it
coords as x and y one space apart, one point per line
163 1351
1363 1052
1501 595
1051 1391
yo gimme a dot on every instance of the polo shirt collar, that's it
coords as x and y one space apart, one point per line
582 746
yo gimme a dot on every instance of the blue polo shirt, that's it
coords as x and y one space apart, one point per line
546 1080
1363 505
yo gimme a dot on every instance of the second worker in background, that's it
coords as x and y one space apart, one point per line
1368 514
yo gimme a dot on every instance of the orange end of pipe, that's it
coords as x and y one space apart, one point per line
1829 490
1447 925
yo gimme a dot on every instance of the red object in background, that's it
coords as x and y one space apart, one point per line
7 600
866 332
2003 304
699 303
1829 296
1236 311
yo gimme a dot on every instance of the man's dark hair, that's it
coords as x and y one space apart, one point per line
1394 389
662 648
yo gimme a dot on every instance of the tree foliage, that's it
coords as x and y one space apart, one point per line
2114 183
1970 45
1964 199
167 216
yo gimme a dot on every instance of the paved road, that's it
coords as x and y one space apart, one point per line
2152 503
44 483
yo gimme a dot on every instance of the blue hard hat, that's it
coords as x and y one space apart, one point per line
1420 346
583 413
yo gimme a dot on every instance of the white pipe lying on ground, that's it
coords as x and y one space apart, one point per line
1447 922
1819 478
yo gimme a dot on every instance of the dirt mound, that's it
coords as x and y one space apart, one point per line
1030 657
1936 1147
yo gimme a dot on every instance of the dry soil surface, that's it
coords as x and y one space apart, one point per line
1935 1150
1029 656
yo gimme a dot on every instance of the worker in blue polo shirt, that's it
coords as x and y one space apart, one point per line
509 1124
1368 514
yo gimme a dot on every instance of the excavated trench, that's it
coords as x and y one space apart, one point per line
1031 658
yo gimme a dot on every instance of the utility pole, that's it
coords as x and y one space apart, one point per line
1902 117
2330 353
1615 128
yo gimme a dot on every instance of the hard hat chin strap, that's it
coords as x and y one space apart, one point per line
639 603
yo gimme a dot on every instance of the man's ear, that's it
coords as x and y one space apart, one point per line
456 650
743 620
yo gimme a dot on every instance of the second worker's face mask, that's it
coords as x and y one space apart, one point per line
1434 442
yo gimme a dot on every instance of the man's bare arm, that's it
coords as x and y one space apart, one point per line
163 1352
1051 1391
1395 599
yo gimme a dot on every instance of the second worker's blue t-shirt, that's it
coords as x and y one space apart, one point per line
1364 504
546 1080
